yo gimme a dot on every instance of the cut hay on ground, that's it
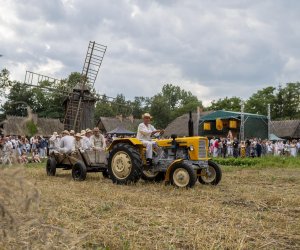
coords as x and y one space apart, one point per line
250 209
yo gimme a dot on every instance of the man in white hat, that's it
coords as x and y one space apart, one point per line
144 133
54 142
67 143
98 140
78 141
86 140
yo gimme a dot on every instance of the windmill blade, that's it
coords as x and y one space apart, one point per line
33 79
93 60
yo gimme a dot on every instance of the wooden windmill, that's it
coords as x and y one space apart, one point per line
79 103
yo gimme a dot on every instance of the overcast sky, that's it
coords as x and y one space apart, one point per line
214 48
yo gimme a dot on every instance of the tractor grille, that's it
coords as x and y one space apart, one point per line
202 149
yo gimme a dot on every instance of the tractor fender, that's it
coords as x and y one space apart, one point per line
132 141
167 177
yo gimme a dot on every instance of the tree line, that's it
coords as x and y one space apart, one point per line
171 102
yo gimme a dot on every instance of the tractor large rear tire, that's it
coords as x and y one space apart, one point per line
183 176
215 174
153 177
79 171
124 164
51 166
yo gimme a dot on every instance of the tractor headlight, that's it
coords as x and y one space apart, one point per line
191 148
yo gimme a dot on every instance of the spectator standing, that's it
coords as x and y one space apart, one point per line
235 146
258 149
42 147
293 148
224 147
216 148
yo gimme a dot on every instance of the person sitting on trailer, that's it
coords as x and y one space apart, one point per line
98 140
54 142
67 143
144 133
78 141
86 140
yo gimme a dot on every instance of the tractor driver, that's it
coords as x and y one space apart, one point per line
144 133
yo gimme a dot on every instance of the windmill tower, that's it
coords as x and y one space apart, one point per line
80 104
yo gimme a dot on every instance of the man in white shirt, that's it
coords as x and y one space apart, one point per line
98 140
144 133
54 142
67 143
86 140
7 151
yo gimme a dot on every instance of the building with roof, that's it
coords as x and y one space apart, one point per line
287 129
107 124
219 123
179 126
24 126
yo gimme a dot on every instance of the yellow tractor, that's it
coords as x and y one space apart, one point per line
179 161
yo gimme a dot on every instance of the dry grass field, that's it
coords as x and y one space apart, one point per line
250 209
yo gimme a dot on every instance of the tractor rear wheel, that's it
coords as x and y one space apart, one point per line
212 175
124 164
183 175
147 175
79 171
51 166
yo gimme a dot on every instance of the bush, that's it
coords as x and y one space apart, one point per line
269 161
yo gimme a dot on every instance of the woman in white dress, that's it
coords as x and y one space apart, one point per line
293 149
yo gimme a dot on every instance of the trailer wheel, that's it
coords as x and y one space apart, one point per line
183 175
124 164
79 171
51 166
212 175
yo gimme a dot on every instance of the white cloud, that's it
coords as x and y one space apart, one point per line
212 48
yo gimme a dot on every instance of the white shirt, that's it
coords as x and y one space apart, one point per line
145 131
54 142
68 143
86 143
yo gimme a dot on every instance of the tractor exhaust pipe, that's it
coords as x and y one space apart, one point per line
191 125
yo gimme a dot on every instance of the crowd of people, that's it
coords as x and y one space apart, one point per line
19 149
232 147
22 149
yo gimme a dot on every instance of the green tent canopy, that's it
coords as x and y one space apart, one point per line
255 126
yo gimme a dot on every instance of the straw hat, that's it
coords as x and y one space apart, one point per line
88 130
66 132
78 135
55 134
146 115
82 132
72 132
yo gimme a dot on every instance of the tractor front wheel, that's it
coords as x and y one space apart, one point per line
183 176
79 171
211 175
124 164
51 166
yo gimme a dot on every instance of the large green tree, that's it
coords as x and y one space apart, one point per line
258 102
228 103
